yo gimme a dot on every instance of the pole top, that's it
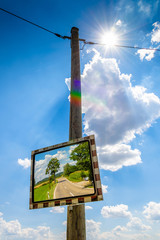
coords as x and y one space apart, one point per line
74 29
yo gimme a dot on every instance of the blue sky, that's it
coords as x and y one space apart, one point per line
121 106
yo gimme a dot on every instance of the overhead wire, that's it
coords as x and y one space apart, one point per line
80 39
122 46
56 34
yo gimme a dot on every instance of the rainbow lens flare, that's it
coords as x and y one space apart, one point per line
76 93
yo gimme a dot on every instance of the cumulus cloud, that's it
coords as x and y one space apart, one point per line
117 156
118 211
64 223
155 35
111 104
94 232
155 39
152 211
88 207
93 229
57 210
13 230
136 224
104 188
25 163
40 168
146 54
115 111
72 148
144 7
119 23
119 229
118 233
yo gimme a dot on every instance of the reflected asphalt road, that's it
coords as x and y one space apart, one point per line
65 188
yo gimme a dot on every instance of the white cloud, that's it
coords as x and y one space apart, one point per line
60 155
118 211
144 7
117 156
24 163
117 233
88 207
57 210
40 168
111 106
136 224
155 35
119 229
152 211
129 8
119 23
155 39
64 223
136 236
135 229
146 54
104 188
13 230
92 229
72 148
41 232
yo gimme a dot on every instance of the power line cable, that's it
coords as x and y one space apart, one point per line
56 34
80 39
116 45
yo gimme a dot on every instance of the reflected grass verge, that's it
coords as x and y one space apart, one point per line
44 192
81 177
76 176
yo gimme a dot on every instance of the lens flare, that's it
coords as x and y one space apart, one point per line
109 39
76 93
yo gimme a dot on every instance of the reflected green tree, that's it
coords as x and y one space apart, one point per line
52 168
81 154
68 169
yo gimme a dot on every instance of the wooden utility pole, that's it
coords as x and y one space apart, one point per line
76 228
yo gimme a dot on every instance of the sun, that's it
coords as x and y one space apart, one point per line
109 38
